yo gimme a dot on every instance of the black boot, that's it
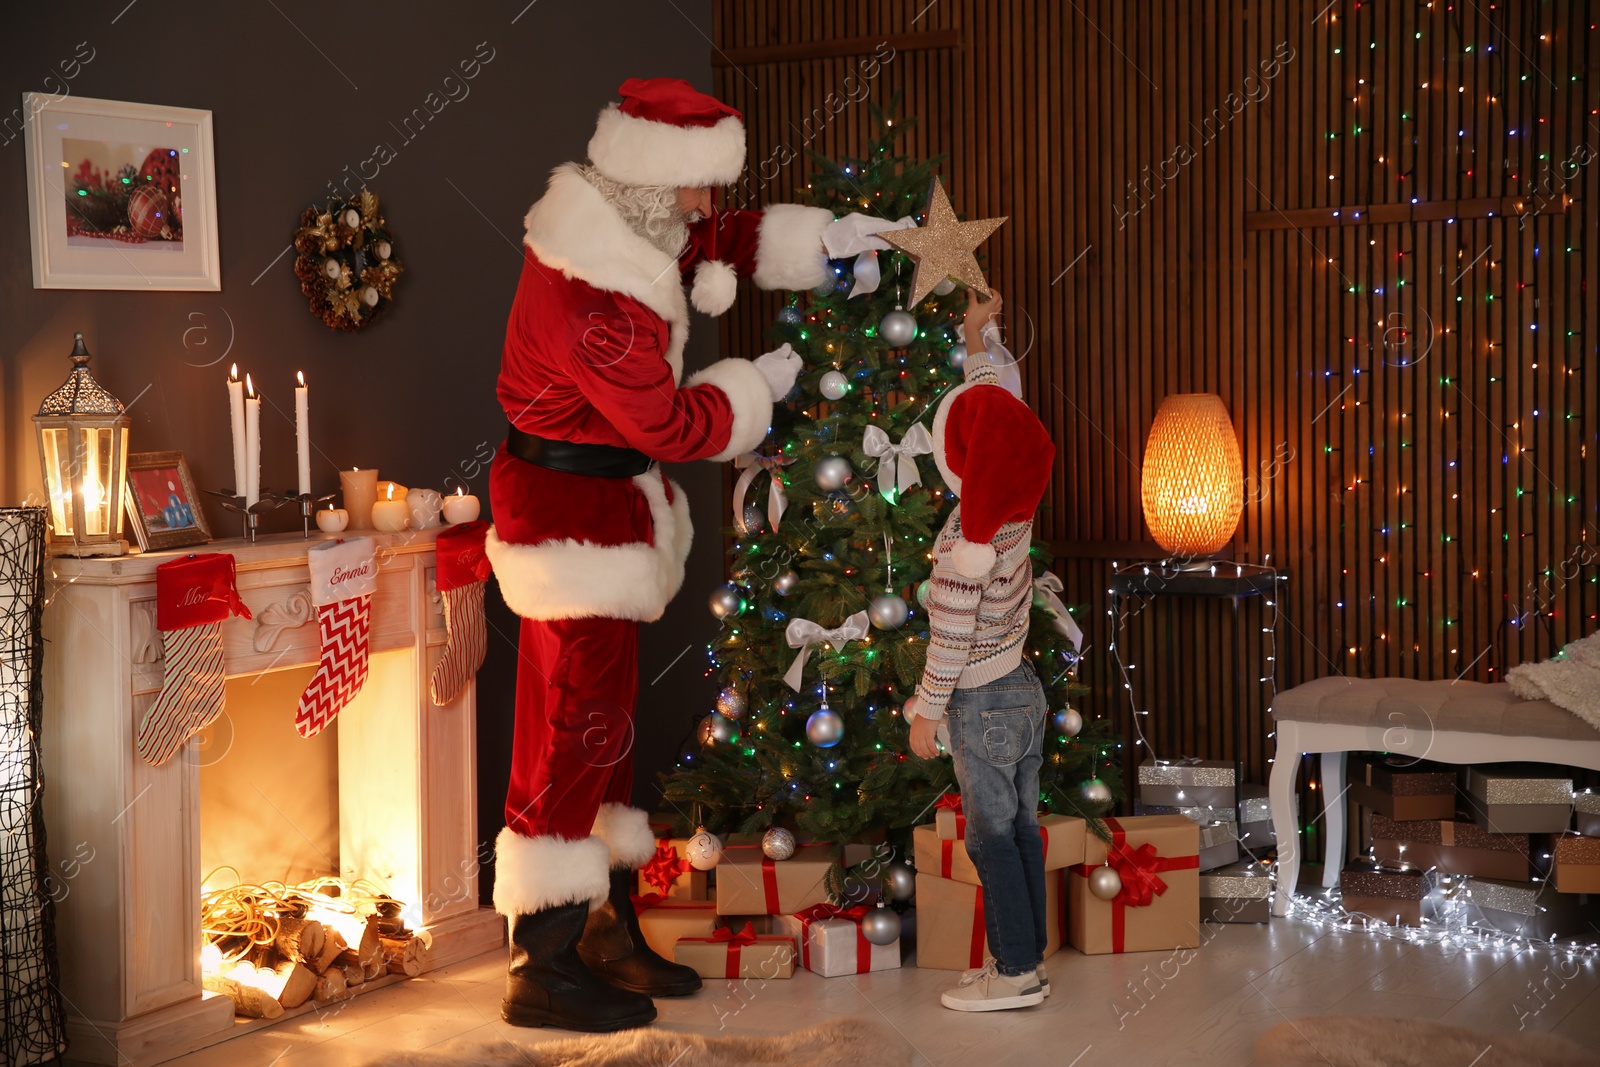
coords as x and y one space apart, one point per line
615 949
548 985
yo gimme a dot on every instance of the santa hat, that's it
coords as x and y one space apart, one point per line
667 132
995 455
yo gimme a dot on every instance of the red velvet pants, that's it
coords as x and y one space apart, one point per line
577 680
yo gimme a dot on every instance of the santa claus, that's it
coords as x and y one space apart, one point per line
590 537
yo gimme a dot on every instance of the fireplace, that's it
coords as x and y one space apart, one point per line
383 801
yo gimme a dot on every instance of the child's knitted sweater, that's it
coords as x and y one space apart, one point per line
975 626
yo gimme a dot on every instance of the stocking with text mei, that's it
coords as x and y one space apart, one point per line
463 567
343 577
194 596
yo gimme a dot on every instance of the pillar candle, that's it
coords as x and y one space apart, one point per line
252 444
463 507
236 419
391 514
302 432
360 492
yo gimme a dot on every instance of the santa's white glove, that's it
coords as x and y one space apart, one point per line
780 368
855 233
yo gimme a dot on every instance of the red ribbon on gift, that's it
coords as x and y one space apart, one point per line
952 802
824 912
975 956
769 876
736 943
947 849
643 902
1141 883
664 867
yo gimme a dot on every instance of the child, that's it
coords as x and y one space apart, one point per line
996 456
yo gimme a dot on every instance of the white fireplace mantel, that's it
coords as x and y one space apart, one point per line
124 837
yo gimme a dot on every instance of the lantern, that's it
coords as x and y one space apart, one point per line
1193 481
83 445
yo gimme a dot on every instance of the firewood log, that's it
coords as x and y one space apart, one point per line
376 967
332 986
333 944
243 986
299 982
299 939
408 957
353 974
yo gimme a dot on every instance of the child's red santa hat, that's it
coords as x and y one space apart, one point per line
995 455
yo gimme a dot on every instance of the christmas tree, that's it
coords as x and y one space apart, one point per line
852 546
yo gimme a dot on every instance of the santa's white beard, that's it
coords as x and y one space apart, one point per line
651 211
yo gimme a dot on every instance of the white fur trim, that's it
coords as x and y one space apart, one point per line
626 832
972 559
535 873
716 285
572 229
939 419
635 151
747 390
571 579
789 251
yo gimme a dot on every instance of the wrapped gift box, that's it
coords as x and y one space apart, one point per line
1400 788
668 872
948 817
1395 895
1159 905
950 929
1254 833
1509 799
1239 893
665 919
1575 865
1586 814
1529 909
1061 835
831 942
742 954
1453 846
748 883
1219 845
1187 783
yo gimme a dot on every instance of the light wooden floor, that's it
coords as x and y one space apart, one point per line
1209 1010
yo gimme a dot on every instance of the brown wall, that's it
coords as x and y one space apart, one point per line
1210 271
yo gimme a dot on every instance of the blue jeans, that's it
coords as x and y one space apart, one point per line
996 739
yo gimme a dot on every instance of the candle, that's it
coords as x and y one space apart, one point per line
302 431
463 507
333 520
390 515
360 491
425 506
236 417
252 444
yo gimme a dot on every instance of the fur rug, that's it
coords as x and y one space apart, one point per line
1331 1041
1570 679
858 1041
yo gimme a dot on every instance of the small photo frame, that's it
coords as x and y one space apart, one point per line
120 195
163 507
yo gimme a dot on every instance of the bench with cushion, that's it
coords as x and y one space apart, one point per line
1449 722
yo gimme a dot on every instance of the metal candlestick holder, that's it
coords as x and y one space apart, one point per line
308 505
250 517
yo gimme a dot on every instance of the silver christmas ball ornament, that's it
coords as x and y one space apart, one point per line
1105 882
730 703
834 385
725 601
703 850
789 316
881 926
958 356
752 521
1069 722
718 729
777 844
824 728
832 473
923 590
888 612
1096 793
784 583
902 881
898 328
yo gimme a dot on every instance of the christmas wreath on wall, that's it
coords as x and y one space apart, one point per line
345 262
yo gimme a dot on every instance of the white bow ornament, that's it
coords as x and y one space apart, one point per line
1048 588
803 633
897 463
750 464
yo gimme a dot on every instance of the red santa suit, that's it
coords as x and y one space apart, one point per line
594 356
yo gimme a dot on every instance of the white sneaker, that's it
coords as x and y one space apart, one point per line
1044 979
989 990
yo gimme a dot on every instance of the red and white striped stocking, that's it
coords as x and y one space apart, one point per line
462 567
193 596
344 575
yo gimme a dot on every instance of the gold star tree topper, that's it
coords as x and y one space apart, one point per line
943 246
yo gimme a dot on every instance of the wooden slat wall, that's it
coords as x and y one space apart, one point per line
1234 276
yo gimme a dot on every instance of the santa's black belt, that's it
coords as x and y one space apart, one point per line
599 461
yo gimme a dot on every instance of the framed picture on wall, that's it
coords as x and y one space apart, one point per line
120 195
163 507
